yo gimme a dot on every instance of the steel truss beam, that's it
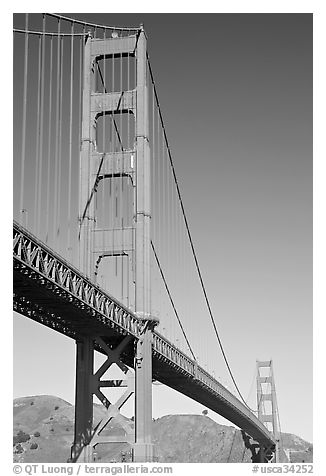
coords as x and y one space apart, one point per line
88 384
43 265
74 305
260 452
267 453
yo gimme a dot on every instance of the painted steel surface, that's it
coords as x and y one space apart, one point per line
51 291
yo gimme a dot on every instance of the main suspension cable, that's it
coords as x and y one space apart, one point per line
189 234
95 25
171 300
47 33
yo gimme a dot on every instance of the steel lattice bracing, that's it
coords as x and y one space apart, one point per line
50 291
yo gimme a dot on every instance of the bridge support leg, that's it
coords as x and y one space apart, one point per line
143 448
266 454
88 384
83 399
277 455
113 409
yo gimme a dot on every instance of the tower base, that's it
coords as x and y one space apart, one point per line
143 453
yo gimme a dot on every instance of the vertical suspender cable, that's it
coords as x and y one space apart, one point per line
104 146
49 144
173 242
160 199
170 297
57 125
153 185
37 154
145 82
60 138
164 225
177 249
163 252
121 181
129 147
80 115
182 263
172 236
159 192
70 137
39 199
112 182
95 190
88 249
135 175
23 151
167 226
192 244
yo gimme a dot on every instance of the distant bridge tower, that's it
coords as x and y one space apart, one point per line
131 164
266 403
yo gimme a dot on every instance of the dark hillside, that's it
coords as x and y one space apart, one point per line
43 432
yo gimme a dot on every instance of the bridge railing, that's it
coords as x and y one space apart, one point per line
190 367
171 352
40 259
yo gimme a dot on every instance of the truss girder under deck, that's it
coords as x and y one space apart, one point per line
49 290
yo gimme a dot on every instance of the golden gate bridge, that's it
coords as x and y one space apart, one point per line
102 247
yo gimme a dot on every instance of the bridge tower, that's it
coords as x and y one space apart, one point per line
132 164
267 406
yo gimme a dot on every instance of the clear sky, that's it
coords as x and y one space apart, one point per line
236 95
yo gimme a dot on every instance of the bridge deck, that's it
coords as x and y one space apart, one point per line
49 290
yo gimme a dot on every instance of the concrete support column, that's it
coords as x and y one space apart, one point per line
83 399
143 448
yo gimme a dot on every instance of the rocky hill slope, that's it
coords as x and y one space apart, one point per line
43 432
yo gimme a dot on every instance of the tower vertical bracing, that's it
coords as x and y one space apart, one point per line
266 403
99 243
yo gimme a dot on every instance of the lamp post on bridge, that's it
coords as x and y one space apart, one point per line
24 217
